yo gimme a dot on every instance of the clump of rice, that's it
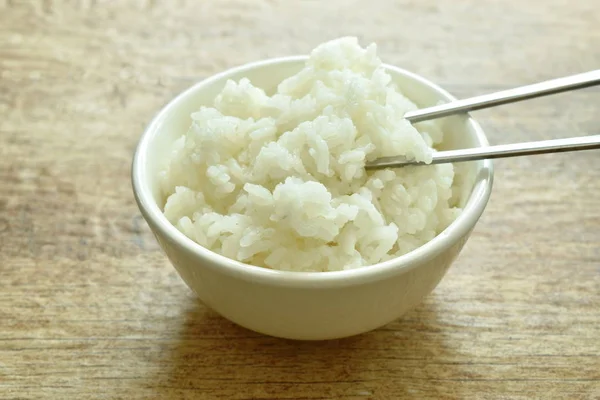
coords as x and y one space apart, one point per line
279 181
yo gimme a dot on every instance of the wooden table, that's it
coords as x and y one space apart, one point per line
90 307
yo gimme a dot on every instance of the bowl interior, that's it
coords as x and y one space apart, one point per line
174 120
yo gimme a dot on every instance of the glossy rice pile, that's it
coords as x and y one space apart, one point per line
279 181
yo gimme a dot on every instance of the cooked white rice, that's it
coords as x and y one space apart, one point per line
279 181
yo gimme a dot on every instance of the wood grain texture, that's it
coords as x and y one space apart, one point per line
91 309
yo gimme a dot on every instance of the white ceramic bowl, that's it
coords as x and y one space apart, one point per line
301 305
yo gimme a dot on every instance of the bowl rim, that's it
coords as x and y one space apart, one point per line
458 229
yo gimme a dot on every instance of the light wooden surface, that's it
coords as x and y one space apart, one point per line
90 308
